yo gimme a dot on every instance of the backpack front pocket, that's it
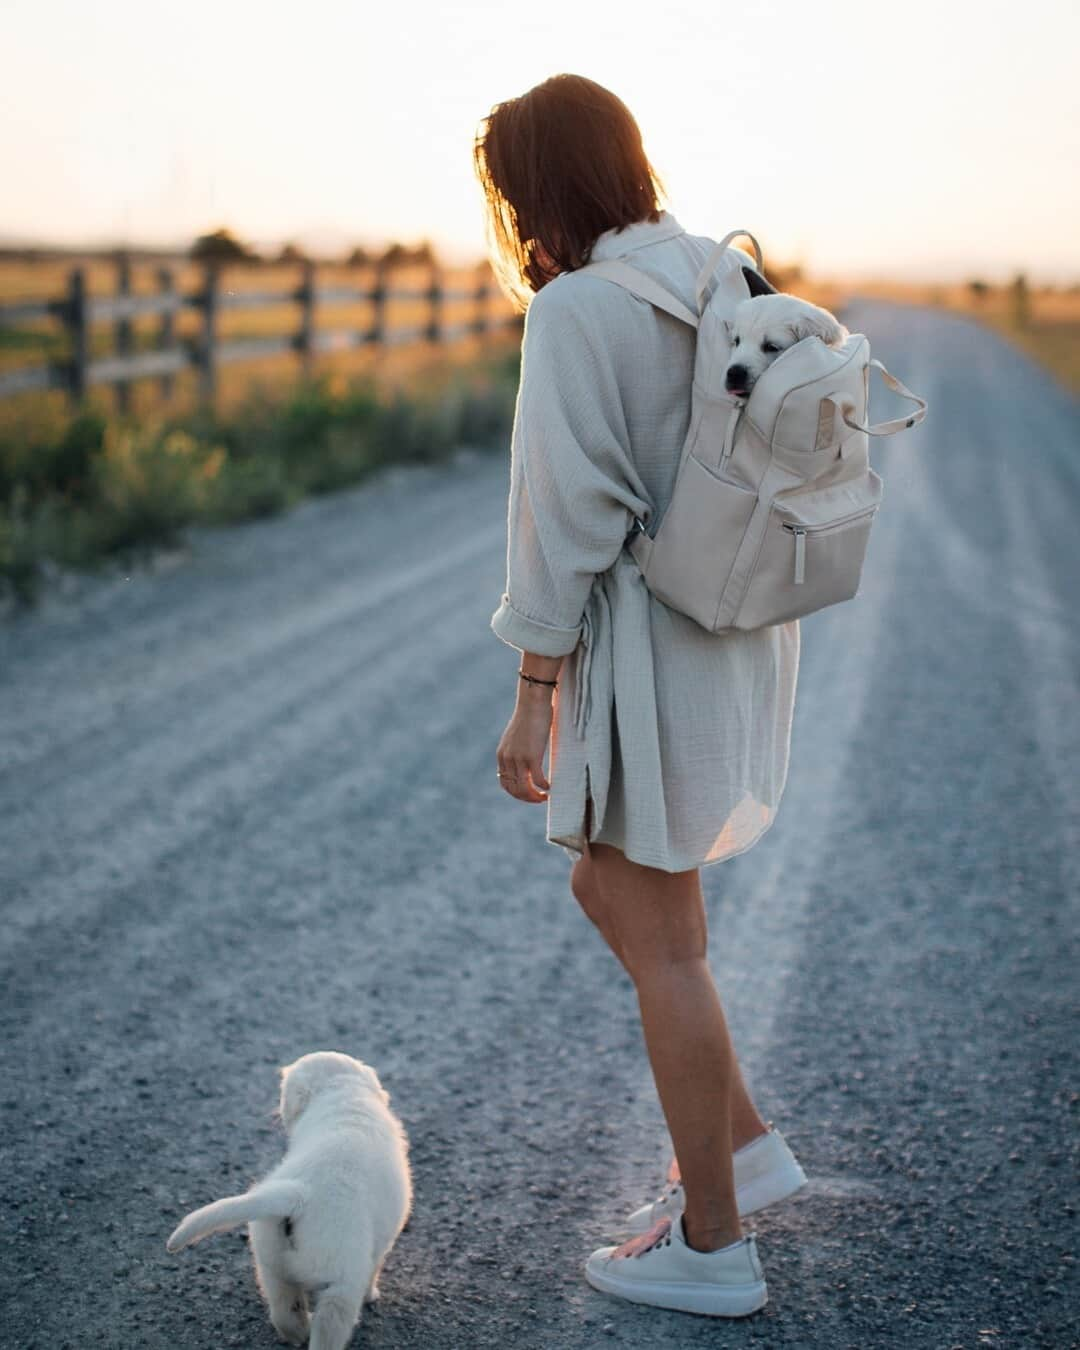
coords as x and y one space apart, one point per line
804 565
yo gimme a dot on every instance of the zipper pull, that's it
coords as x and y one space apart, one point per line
800 554
729 434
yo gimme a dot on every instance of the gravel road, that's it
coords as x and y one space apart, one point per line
248 809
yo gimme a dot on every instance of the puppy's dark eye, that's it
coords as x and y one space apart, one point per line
769 347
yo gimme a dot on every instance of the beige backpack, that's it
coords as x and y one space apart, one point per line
771 510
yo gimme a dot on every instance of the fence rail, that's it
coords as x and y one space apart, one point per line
207 351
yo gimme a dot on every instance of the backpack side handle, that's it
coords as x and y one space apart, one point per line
846 406
705 275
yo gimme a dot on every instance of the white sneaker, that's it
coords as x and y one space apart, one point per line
658 1267
766 1171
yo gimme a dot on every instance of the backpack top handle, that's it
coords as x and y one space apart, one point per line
705 275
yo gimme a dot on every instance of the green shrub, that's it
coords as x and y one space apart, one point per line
98 487
149 482
250 488
18 547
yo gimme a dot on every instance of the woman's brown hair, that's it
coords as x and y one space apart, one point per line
559 165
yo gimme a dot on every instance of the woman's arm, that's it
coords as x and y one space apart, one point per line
543 667
574 491
573 497
520 755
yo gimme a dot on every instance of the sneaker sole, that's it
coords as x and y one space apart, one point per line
737 1300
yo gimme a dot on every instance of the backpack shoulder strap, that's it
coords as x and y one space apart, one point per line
640 285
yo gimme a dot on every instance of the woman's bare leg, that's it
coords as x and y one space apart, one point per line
657 923
746 1121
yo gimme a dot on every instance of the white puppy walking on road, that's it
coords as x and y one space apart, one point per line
766 325
323 1221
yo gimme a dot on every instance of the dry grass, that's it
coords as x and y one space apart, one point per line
1049 330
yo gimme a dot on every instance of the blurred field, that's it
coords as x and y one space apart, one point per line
77 490
1048 328
1045 323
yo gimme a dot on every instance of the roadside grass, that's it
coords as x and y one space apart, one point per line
1042 321
78 491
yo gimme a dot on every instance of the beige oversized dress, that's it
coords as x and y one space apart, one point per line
681 736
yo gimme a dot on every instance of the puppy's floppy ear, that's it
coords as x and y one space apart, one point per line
295 1096
756 283
815 322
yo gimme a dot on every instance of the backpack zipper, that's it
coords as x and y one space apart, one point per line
729 433
801 531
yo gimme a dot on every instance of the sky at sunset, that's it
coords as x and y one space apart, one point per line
923 139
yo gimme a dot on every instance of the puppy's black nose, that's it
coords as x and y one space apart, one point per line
735 379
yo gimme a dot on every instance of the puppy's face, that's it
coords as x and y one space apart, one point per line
766 325
317 1074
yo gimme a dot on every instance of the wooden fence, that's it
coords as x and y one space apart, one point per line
78 311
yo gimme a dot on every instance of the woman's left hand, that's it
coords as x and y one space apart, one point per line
520 754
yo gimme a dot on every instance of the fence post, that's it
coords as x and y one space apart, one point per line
377 332
167 332
433 332
79 329
123 331
480 315
208 341
306 340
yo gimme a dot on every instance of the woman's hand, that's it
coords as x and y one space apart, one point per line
520 753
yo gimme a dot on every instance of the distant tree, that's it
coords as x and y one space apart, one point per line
359 257
401 255
979 290
291 253
222 246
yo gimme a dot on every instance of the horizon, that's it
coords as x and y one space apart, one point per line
913 274
942 158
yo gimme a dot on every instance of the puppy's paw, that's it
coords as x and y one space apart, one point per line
292 1324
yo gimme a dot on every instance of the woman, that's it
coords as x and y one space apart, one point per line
668 744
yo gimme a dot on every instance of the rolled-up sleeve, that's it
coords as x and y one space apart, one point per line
571 500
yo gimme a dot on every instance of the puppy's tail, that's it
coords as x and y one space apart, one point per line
268 1200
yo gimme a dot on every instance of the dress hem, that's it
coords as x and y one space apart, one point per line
565 842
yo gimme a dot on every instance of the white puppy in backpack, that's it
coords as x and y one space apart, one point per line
766 325
323 1221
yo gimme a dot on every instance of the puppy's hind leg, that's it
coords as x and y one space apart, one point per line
372 1295
287 1302
337 1311
289 1313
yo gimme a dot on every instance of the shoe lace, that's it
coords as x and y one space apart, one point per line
674 1183
659 1233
